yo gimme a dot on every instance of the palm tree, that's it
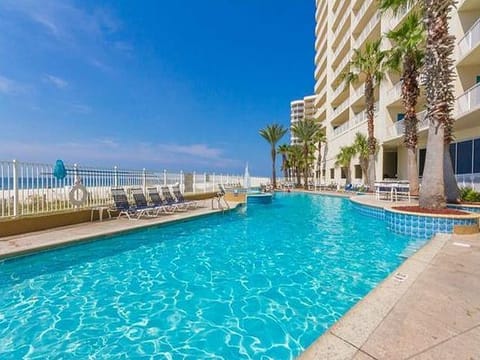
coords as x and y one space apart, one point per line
320 138
344 160
273 133
306 131
406 57
439 92
361 148
295 159
283 150
369 64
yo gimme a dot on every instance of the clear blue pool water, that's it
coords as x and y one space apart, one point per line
259 283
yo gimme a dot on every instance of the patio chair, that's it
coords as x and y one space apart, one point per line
160 203
124 208
171 201
181 199
142 203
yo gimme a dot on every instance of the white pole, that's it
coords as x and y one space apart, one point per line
15 188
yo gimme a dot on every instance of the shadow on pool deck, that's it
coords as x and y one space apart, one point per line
429 308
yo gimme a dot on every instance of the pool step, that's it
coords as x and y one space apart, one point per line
412 248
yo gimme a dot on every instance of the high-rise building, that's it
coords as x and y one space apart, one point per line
342 26
299 110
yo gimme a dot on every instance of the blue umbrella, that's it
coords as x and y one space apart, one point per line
59 170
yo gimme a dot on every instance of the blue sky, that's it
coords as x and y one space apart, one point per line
157 84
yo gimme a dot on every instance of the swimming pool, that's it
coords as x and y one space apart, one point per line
262 282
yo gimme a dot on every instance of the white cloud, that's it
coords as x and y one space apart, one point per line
110 152
56 81
10 87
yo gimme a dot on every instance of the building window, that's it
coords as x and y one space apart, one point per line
464 157
332 173
343 172
324 173
358 172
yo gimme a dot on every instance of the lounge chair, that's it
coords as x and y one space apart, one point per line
141 203
181 199
123 206
157 201
171 201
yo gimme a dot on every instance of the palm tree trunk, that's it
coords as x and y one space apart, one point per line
412 168
274 180
305 169
372 142
297 171
410 93
364 166
348 180
284 166
432 190
452 192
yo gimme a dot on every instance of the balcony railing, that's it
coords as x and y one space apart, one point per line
346 16
398 128
340 88
470 40
341 107
469 100
362 11
358 93
368 29
341 46
395 20
342 65
395 92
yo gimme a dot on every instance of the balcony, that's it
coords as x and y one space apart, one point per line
338 30
340 108
395 92
342 65
341 129
468 43
357 93
339 49
340 89
321 81
398 18
361 12
398 128
468 101
374 21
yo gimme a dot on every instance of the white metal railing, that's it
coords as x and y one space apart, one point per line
342 65
469 100
30 188
469 180
395 20
340 88
362 11
355 120
398 128
368 29
470 40
358 93
341 107
395 92
346 16
341 46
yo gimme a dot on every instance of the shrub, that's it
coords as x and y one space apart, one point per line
469 194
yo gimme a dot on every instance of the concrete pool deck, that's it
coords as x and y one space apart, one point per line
18 245
429 308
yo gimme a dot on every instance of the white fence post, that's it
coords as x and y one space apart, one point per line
144 180
165 177
194 184
15 188
204 182
182 183
213 182
115 176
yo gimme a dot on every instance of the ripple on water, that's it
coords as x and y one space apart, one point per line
255 284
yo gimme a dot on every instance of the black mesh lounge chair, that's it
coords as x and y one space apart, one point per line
167 195
123 206
157 201
142 203
181 199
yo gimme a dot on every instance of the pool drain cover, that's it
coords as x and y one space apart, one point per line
400 277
